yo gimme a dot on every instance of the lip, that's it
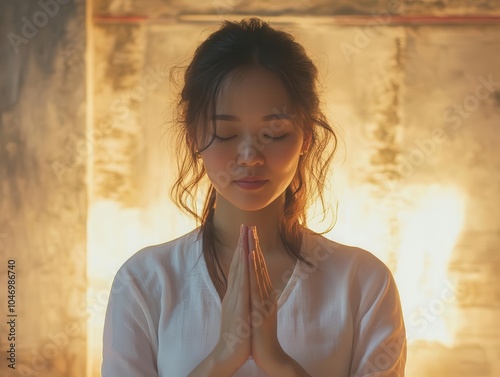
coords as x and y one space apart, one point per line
251 179
253 185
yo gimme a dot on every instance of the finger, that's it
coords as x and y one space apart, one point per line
244 262
264 273
267 285
255 284
236 261
236 288
245 293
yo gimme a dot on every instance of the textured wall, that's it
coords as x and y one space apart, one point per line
418 108
158 8
42 186
453 86
421 113
421 168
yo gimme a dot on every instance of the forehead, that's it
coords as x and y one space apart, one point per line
252 90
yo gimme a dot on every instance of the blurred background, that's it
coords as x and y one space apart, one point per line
412 87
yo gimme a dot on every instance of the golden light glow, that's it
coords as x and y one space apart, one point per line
115 234
429 232
430 220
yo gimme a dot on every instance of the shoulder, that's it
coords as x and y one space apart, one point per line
362 277
157 264
356 261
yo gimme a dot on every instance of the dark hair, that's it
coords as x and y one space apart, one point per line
233 46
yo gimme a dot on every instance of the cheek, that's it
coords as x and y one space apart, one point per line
215 158
284 157
216 171
221 168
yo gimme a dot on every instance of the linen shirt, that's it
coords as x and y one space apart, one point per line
340 318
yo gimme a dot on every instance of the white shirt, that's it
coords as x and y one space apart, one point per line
341 319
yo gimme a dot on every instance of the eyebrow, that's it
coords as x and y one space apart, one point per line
234 118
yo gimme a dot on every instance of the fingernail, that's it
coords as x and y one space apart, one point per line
254 230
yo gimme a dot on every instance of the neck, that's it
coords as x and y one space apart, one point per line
227 220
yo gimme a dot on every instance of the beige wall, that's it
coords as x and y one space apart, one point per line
43 194
418 187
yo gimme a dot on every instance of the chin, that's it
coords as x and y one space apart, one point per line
250 200
249 205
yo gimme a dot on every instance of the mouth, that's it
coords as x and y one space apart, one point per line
251 185
252 179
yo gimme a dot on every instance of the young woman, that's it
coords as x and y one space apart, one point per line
252 291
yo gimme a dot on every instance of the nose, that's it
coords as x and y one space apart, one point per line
249 153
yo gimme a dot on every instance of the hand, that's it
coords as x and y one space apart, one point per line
233 347
265 348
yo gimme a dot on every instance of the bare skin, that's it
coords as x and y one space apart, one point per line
258 135
248 318
279 267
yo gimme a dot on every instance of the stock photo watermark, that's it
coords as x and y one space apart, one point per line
31 26
419 322
363 36
434 309
453 118
222 7
56 343
263 309
80 146
389 353
244 330
259 142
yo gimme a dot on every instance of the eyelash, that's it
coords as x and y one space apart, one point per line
229 138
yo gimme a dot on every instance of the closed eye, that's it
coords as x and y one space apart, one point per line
223 138
219 138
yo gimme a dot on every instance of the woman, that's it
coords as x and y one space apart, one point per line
253 291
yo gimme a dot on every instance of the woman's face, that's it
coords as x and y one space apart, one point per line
262 139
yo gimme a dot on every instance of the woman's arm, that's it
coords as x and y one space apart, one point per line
129 344
379 345
214 365
286 367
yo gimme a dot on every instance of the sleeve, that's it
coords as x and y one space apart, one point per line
379 346
129 337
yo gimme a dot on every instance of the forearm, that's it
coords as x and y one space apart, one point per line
291 370
209 367
213 366
286 367
206 368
